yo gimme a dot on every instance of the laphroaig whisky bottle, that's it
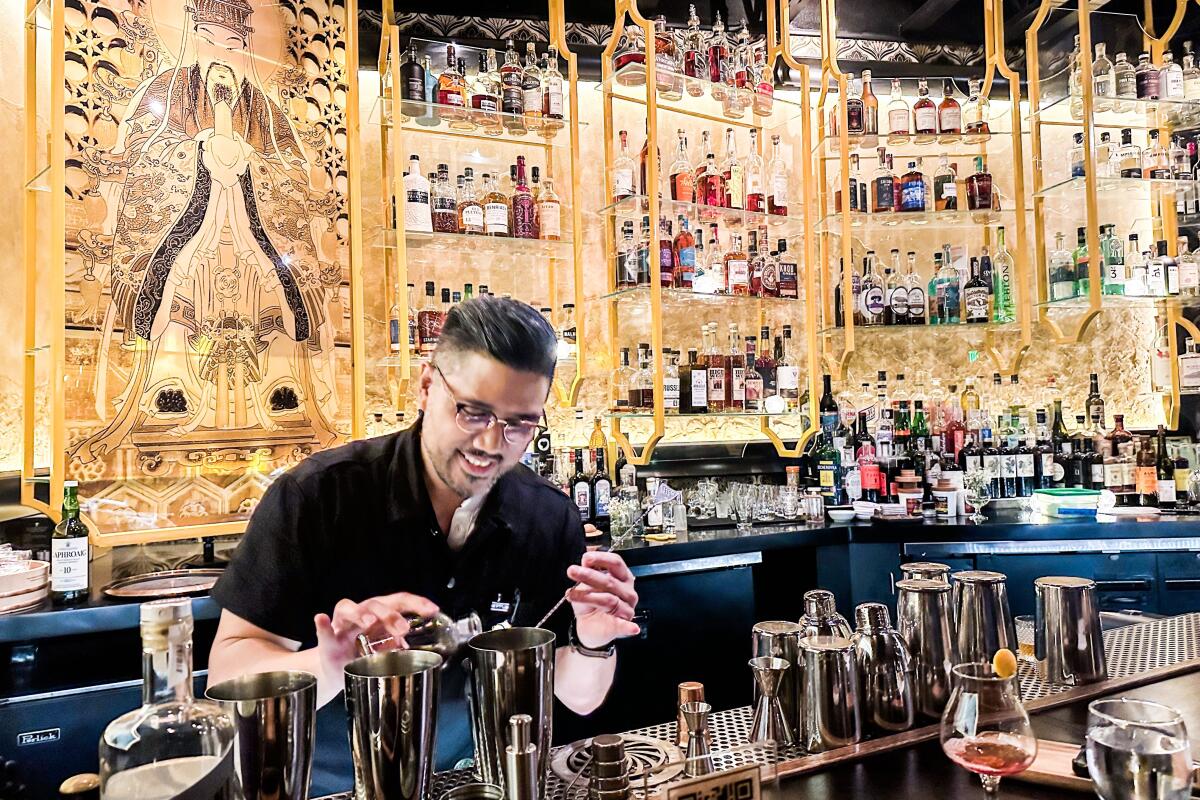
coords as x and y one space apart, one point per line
70 552
173 742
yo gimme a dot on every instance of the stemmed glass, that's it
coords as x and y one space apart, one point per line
1137 749
976 483
985 728
744 498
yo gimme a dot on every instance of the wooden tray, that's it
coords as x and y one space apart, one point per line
1052 767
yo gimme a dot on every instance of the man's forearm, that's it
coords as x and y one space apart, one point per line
582 682
236 657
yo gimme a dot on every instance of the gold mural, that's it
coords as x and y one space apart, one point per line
207 267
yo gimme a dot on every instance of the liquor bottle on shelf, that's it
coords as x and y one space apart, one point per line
418 214
868 465
949 114
871 297
495 209
668 81
693 381
755 176
979 192
1164 472
787 370
666 253
643 161
1156 273
756 258
710 270
883 188
1148 77
710 187
581 488
413 100
173 743
916 292
1189 269
1129 156
1170 81
523 206
975 296
452 91
512 98
1125 80
735 372
643 253
1104 80
683 179
950 290
684 256
739 76
552 91
751 378
1115 275
629 57
486 95
694 67
601 490
627 266
895 294
976 113
854 110
1080 259
670 381
1191 75
945 188
623 170
429 321
718 53
443 203
788 272
1003 308
870 112
1061 270
899 115
737 275
764 89
912 190
717 373
549 212
1104 155
641 382
1155 163
619 383
924 114
1146 475
733 175
767 369
531 89
777 181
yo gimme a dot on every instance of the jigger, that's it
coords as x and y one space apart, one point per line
697 759
769 722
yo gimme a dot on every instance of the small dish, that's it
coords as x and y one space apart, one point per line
841 514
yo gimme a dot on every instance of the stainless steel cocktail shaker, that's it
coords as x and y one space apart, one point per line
885 672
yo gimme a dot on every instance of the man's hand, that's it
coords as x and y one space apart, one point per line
377 617
604 600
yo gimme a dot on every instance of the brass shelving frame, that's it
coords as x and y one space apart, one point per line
396 272
836 362
776 49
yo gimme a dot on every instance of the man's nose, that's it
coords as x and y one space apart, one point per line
491 441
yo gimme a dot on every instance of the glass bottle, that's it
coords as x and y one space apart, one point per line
667 82
916 292
1104 156
1003 307
979 192
1189 269
718 52
173 741
1191 74
1080 259
1125 80
629 57
871 298
1170 81
512 99
924 114
975 296
1155 163
619 382
975 113
531 89
912 189
549 212
945 188
553 101
414 102
764 90
716 367
1129 156
870 104
443 202
684 255
743 66
522 205
755 172
1148 78
710 189
1135 266
485 95
682 178
737 269
1114 263
1181 164
693 382
451 91
1075 156
1104 80
641 382
694 67
1062 270
883 189
854 110
733 174
949 113
777 178
495 208
418 213
787 370
70 552
899 115
623 170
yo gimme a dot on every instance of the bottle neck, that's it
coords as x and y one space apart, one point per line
167 670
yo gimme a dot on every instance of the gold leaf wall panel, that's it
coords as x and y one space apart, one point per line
207 259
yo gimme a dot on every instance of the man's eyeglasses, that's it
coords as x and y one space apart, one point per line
470 420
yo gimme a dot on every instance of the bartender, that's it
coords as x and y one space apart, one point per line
441 516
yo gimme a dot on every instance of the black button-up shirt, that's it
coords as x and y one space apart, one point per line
356 522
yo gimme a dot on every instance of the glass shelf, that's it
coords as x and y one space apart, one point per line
929 219
906 147
638 204
1072 188
641 294
1107 302
629 83
432 118
923 330
40 17
462 243
1143 114
40 182
649 414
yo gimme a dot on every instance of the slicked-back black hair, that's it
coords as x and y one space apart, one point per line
512 332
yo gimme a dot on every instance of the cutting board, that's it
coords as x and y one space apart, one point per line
1052 767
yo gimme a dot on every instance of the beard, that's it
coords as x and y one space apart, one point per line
445 465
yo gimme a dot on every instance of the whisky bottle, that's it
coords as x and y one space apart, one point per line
710 188
975 296
694 67
924 115
684 256
629 58
531 89
899 115
623 170
777 179
764 89
469 211
787 370
485 95
883 190
1146 478
732 174
694 384
752 378
979 192
788 271
755 199
173 745
949 113
418 213
718 52
765 366
627 266
667 79
715 363
641 383
581 488
737 275
70 552
495 208
552 91
444 203
671 381
975 113
870 106
429 321
522 206
1165 472
512 98
683 179
945 189
735 372
854 110
912 189
666 254
413 102
619 383
549 213
1147 77
451 91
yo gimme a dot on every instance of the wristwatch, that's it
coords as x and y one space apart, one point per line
607 651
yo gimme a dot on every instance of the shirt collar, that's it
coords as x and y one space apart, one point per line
407 496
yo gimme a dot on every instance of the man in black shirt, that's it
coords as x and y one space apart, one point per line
358 539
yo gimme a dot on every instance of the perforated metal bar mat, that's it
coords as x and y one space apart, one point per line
1131 650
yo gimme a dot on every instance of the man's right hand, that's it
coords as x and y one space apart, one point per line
377 617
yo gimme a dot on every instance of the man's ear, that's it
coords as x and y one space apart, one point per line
424 380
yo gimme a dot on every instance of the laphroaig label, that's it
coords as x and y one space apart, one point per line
68 564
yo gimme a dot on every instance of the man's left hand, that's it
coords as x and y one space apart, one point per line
604 600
